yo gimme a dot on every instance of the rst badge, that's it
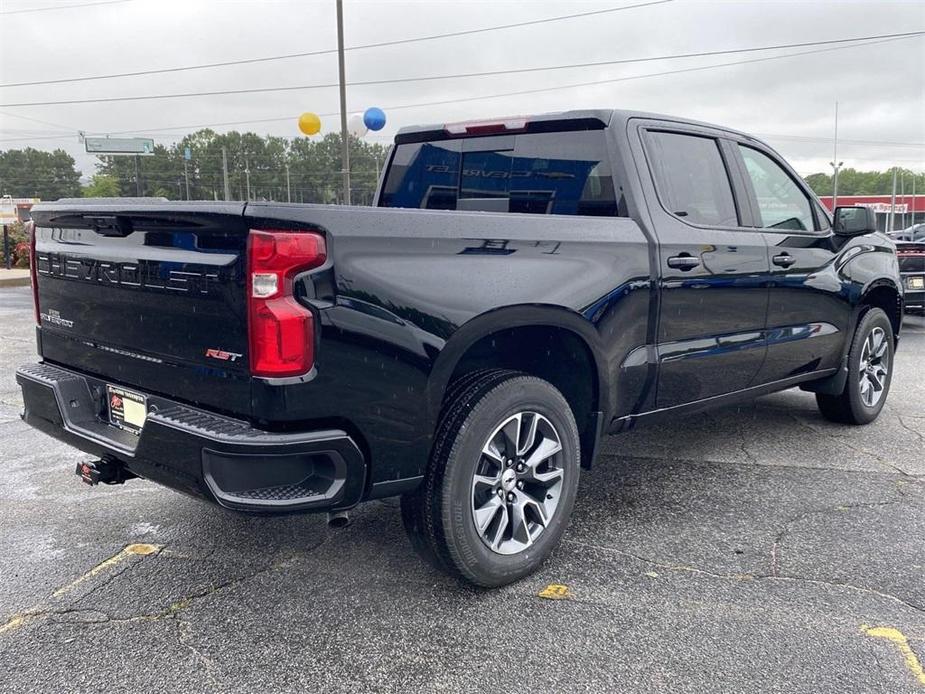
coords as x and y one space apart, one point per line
222 355
52 316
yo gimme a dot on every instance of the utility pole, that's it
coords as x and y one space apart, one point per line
288 188
345 139
137 179
902 193
892 220
7 254
913 198
186 176
835 159
225 174
247 178
836 168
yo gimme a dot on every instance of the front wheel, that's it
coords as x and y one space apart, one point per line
501 482
870 370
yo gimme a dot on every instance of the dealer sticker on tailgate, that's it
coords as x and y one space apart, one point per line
127 410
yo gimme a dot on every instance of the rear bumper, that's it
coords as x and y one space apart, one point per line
196 451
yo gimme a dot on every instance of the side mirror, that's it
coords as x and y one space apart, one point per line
855 221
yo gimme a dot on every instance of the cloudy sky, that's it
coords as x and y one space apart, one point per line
789 101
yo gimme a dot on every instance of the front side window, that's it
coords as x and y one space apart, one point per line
823 216
543 173
781 202
691 178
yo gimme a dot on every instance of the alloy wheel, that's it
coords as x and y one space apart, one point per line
874 367
517 483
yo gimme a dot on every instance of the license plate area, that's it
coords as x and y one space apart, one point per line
917 283
127 409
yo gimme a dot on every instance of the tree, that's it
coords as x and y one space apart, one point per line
32 173
854 182
102 186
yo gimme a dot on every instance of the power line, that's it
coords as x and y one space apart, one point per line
37 120
482 97
381 44
805 138
622 61
64 7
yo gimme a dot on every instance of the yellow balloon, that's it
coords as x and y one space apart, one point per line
310 123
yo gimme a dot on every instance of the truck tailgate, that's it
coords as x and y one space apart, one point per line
148 296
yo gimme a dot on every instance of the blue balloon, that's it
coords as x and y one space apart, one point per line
374 118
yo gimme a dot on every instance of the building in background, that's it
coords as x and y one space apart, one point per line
908 210
16 209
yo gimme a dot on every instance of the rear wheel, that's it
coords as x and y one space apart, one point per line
501 481
870 362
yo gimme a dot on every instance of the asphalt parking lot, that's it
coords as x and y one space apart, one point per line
758 548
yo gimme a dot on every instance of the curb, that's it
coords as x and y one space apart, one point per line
15 281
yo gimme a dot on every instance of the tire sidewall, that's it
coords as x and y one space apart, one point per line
479 563
874 318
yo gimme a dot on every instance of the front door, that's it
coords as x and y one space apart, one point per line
713 269
809 312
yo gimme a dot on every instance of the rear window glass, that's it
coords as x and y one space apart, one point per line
691 178
543 173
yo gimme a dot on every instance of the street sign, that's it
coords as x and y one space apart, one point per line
187 154
143 146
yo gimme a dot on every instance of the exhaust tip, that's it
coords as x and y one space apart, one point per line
338 519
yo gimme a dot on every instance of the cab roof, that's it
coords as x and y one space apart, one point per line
584 119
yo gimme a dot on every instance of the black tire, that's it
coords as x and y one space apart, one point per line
848 407
440 517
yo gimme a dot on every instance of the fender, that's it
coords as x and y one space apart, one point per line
504 318
835 384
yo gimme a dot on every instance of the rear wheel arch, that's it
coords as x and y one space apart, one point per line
551 343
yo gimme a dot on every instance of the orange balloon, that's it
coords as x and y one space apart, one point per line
310 123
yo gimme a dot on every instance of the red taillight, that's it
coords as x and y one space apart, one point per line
281 330
34 272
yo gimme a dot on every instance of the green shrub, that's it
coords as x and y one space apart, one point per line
19 244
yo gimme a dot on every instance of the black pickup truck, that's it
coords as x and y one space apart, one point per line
520 288
910 249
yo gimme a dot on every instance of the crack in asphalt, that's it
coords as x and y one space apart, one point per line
684 568
905 426
184 632
171 612
841 440
743 439
764 464
785 529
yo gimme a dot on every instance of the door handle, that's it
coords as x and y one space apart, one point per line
683 262
783 260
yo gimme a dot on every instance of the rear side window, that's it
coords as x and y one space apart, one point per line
541 173
781 202
691 178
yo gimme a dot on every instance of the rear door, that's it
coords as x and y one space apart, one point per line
147 295
713 268
808 311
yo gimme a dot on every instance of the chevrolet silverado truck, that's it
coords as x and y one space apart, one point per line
519 289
